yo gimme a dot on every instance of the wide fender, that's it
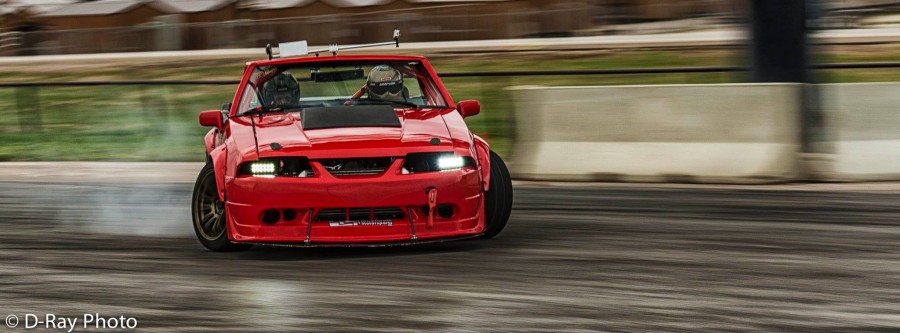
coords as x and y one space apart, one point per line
217 158
215 154
211 140
484 160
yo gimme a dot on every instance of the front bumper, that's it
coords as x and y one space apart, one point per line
248 198
369 244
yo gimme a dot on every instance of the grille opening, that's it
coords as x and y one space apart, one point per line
293 167
271 216
360 214
289 215
442 210
345 214
331 215
357 166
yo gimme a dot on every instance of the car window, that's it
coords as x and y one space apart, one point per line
249 99
336 83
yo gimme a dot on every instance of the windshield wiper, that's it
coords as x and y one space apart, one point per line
409 104
259 110
380 101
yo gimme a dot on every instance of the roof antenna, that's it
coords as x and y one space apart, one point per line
269 50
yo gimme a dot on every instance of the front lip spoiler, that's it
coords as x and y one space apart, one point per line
381 244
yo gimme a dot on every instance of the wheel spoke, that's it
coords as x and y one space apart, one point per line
214 224
207 222
204 223
217 228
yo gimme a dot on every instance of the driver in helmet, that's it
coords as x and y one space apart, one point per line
282 90
385 83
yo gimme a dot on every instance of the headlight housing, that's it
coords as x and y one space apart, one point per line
450 162
432 162
277 167
262 168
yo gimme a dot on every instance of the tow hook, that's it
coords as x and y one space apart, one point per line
431 192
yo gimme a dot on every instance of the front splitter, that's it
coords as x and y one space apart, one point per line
377 244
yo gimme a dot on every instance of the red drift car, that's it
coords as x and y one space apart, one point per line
345 151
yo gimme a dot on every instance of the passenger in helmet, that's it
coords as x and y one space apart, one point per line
385 83
282 90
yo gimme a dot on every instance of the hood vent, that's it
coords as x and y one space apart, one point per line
349 116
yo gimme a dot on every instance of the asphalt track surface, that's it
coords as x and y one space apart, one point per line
598 258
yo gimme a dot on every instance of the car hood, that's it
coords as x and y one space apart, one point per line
283 135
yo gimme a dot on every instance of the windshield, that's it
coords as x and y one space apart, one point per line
402 84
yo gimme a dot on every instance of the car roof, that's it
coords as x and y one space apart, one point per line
327 58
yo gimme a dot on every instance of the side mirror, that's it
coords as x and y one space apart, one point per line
469 108
211 118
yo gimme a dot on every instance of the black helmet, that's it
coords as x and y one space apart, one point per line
282 89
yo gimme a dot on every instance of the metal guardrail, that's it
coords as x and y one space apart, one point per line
621 71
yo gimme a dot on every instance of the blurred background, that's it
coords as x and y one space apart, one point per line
100 146
489 45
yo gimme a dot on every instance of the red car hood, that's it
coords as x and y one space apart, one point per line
418 130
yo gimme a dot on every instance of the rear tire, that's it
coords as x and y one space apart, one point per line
498 199
208 213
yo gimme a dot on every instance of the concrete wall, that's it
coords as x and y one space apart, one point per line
735 133
863 130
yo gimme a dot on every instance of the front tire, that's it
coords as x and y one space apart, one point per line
498 199
208 213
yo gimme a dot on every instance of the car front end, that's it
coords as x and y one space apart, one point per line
357 191
346 151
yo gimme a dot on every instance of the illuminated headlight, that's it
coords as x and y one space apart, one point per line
434 162
262 169
450 162
278 167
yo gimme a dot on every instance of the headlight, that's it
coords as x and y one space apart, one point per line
262 169
450 162
278 167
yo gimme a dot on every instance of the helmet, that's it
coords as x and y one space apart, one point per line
384 82
282 89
